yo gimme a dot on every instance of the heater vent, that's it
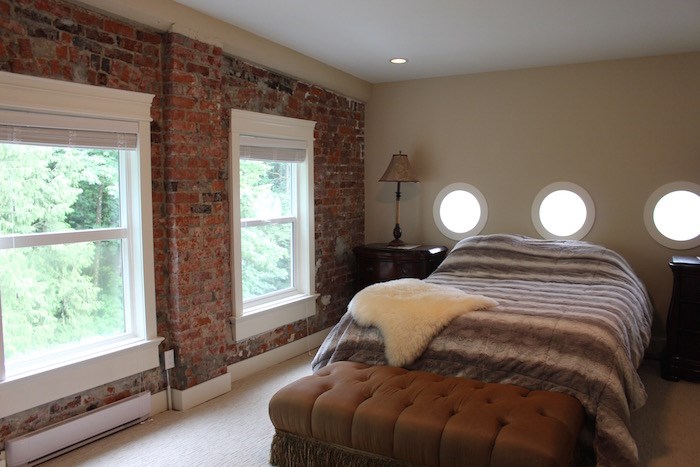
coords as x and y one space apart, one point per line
52 441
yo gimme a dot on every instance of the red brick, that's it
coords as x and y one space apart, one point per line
87 18
12 26
119 28
199 69
182 77
53 7
149 37
182 102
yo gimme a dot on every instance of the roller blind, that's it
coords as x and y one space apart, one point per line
67 137
259 148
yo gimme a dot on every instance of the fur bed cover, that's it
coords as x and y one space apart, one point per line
409 312
572 317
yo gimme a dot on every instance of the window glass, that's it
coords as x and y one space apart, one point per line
266 189
563 210
60 292
53 189
562 213
460 210
60 296
267 226
267 206
672 215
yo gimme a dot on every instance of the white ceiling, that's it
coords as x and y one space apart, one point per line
451 37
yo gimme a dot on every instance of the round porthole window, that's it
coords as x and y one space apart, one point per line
672 215
460 210
563 210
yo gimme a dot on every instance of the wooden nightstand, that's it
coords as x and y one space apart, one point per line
681 357
378 263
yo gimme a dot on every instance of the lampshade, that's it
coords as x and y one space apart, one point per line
399 170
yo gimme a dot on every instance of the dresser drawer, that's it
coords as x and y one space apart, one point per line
689 288
379 271
689 345
689 317
380 263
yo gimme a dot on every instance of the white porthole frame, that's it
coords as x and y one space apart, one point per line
483 206
650 205
568 186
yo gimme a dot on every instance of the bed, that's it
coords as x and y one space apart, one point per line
571 317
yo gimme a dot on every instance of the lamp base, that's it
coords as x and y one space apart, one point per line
397 232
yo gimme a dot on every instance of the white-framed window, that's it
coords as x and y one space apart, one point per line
77 293
672 215
563 210
460 210
272 211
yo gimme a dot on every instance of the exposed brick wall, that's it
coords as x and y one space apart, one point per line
338 185
195 86
196 176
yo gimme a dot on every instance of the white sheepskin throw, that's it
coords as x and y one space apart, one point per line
410 312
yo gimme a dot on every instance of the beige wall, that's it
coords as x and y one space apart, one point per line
620 129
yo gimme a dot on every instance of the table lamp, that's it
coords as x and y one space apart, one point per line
399 170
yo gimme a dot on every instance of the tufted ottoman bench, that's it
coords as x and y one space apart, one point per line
352 414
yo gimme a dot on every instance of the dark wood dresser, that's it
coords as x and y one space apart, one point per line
378 262
681 357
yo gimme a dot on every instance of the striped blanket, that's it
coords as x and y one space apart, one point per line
572 317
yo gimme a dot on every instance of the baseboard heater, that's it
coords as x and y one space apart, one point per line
54 440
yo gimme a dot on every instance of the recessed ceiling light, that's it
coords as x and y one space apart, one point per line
398 61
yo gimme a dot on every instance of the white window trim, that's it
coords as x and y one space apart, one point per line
483 205
44 96
302 303
568 186
649 215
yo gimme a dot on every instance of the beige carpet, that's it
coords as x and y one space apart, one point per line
234 429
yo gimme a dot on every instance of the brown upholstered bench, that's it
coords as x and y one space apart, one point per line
353 414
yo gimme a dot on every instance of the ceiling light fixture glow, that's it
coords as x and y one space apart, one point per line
398 61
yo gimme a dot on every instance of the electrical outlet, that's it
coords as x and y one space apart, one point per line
169 359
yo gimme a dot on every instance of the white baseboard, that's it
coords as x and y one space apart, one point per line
260 362
159 402
191 397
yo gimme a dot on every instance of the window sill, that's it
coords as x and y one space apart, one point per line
272 315
23 392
